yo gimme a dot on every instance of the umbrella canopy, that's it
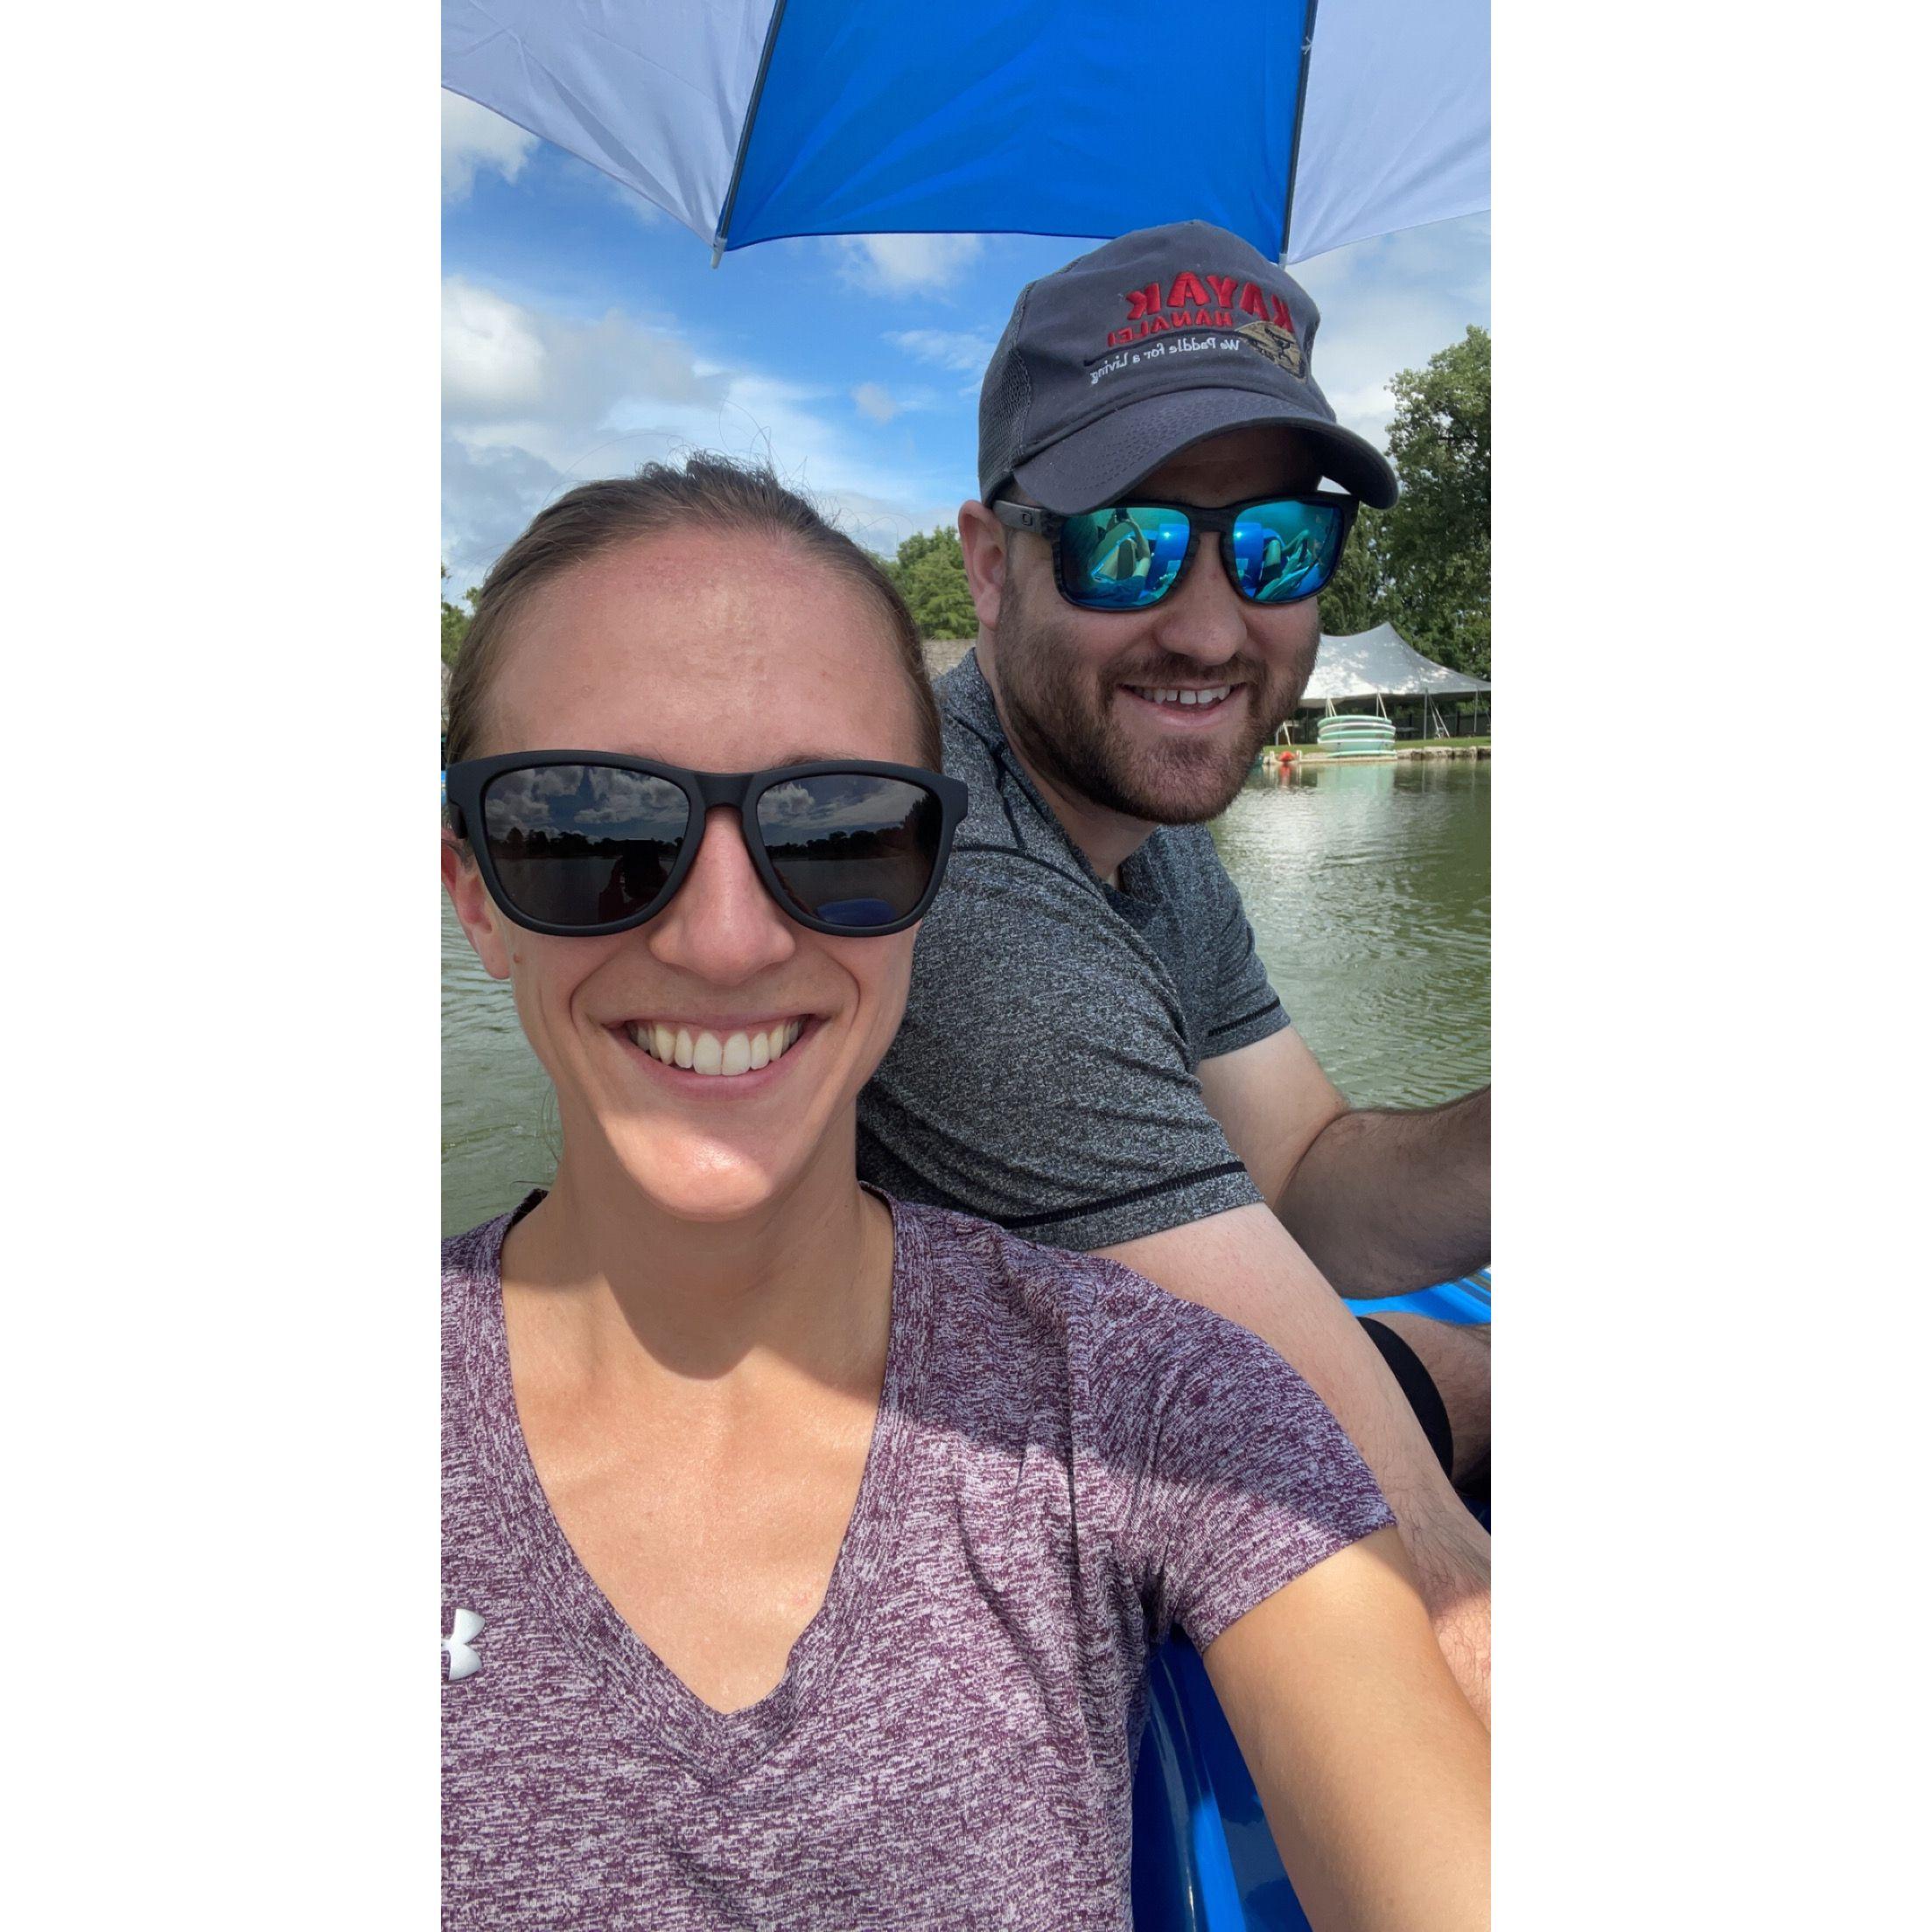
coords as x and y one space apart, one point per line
1380 663
1298 130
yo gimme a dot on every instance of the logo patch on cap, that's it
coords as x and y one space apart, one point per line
1278 345
1189 302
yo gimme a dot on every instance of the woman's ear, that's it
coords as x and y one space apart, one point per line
982 543
474 907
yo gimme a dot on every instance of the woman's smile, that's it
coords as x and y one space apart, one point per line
719 1059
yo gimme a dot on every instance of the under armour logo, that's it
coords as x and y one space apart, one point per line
464 1661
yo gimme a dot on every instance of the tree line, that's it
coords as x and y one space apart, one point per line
1422 566
456 620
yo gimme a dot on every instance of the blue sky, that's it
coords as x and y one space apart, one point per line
584 333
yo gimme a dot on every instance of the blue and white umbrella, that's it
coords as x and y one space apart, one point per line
751 120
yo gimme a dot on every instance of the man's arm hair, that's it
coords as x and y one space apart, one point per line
1382 1200
1244 1265
1386 1202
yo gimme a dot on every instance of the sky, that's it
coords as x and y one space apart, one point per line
584 333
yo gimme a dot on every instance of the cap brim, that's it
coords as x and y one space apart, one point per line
1095 464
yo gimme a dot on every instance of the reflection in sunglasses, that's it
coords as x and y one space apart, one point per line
852 850
565 797
575 844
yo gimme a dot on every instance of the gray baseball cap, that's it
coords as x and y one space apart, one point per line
1124 358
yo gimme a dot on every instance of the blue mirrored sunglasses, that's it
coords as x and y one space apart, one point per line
1126 557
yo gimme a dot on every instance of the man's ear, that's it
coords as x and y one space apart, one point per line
474 907
982 543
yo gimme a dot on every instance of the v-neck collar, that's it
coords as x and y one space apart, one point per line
716 1746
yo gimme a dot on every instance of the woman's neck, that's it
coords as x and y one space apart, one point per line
615 1290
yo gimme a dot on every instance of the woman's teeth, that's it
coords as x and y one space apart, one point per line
1212 695
705 1053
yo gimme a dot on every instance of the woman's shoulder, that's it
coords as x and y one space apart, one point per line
473 1252
1116 1332
473 1258
1194 1447
472 1255
977 1254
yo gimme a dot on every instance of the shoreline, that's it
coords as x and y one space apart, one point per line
1312 756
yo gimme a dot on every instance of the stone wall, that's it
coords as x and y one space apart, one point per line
942 653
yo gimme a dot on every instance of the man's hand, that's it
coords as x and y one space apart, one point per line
1383 1202
1244 1265
1459 1610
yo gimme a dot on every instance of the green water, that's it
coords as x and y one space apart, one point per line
1368 888
499 1116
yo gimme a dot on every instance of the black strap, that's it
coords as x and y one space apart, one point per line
1405 1365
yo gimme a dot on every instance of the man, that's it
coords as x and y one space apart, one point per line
1092 1054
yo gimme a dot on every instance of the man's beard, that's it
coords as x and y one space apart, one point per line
1061 714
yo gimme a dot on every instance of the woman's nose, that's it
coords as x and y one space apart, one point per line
722 926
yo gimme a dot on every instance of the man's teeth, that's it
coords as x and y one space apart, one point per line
1154 695
705 1053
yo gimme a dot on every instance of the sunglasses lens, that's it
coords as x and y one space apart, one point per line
1121 558
582 845
852 849
1286 551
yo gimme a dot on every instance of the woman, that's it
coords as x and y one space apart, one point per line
802 1552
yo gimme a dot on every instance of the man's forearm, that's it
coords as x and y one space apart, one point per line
1387 1202
1449 1549
1450 1553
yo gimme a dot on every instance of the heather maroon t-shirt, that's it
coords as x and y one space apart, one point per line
1068 1463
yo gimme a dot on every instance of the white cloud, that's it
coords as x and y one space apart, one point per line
473 138
1391 304
535 402
488 495
553 383
493 358
874 402
898 264
882 524
948 348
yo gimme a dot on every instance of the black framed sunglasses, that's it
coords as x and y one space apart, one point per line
1128 556
582 843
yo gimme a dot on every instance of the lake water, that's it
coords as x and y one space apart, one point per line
1368 888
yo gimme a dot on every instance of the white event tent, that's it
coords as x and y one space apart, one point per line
1380 663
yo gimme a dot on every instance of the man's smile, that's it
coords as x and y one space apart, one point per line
1185 706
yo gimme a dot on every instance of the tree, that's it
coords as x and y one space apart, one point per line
1353 598
1434 544
930 573
456 620
1424 566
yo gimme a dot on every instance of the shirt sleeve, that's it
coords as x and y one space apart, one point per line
1243 1007
1041 1077
1250 1481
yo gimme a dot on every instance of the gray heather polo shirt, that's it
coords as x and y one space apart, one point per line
1045 1075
